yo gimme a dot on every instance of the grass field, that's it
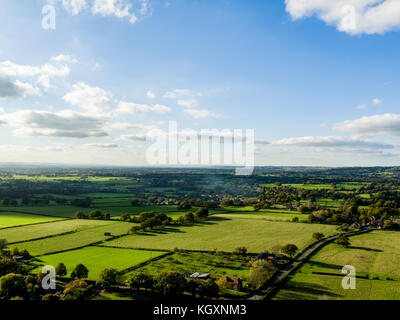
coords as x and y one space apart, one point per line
12 219
75 240
226 234
316 287
98 258
269 214
48 229
191 262
374 255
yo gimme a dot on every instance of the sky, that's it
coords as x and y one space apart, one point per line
84 81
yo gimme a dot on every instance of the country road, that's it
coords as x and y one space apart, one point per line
301 258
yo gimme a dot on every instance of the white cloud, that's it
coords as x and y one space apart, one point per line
16 89
378 125
60 124
362 106
42 73
74 7
201 113
332 142
103 145
133 137
129 126
188 103
134 108
377 101
92 99
64 58
150 94
351 16
118 8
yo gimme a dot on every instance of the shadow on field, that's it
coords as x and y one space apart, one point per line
365 249
303 291
323 265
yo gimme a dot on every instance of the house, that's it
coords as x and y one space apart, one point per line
234 282
202 276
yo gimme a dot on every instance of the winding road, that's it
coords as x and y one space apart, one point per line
301 258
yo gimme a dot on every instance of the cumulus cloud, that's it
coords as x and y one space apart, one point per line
64 58
192 103
135 108
16 89
350 16
332 142
378 125
201 113
92 99
43 74
184 97
150 94
74 7
54 124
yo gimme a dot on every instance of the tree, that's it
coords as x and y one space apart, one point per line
290 250
96 214
170 282
180 220
14 252
61 270
141 280
201 213
342 240
12 285
75 290
189 218
125 217
240 250
79 215
10 266
3 244
318 236
260 272
209 289
109 277
80 272
135 229
295 219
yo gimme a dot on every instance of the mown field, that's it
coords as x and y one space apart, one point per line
13 219
97 259
31 232
374 255
226 234
75 240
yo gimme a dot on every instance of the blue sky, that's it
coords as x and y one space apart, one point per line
88 91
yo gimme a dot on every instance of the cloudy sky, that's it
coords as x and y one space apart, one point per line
317 80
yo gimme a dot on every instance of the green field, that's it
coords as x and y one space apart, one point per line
315 287
191 262
374 255
75 240
48 229
226 234
12 219
98 258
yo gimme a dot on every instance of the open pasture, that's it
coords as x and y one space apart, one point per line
226 234
374 255
31 232
12 219
76 240
98 258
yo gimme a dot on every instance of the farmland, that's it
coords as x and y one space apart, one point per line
75 240
226 234
13 219
98 258
375 257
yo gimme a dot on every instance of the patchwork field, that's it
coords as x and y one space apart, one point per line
31 232
226 234
98 258
75 240
374 255
12 219
316 287
191 262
